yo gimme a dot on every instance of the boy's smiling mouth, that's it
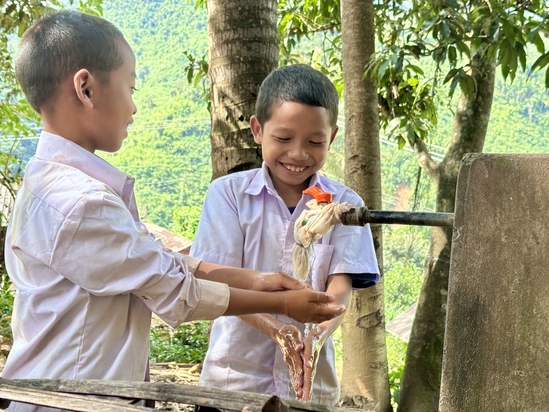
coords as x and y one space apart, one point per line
293 168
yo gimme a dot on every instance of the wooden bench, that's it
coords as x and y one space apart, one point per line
122 396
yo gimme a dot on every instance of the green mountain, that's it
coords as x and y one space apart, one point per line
168 149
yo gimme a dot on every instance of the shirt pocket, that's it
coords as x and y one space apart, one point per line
321 257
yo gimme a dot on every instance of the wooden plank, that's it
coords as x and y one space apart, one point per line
187 394
69 402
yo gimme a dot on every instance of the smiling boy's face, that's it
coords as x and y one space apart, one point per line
295 142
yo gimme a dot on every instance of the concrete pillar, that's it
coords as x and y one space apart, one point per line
496 351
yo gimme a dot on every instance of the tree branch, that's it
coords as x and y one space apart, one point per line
424 159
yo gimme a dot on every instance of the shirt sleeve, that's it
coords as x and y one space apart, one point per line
219 237
104 251
354 252
363 280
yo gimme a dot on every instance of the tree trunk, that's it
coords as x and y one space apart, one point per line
365 375
243 50
420 388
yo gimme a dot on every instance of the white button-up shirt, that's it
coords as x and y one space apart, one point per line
245 223
88 273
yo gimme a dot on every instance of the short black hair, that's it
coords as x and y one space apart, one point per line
61 43
298 83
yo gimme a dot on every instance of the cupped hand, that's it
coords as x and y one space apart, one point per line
276 281
308 305
290 342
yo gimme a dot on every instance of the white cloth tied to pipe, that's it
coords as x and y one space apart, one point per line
309 227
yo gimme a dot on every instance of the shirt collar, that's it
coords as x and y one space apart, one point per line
262 179
57 149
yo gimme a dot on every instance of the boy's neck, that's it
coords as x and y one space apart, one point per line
290 194
290 199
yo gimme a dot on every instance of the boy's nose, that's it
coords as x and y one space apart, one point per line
298 153
134 109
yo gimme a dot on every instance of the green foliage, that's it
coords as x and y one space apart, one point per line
455 35
395 377
408 104
16 116
168 149
197 74
308 32
6 305
451 33
402 287
185 220
302 18
186 344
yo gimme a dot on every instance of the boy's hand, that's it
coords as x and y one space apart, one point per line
308 305
312 344
290 342
272 282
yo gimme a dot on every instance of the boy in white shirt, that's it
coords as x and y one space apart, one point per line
248 221
88 274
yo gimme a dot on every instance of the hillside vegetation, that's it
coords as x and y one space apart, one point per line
168 147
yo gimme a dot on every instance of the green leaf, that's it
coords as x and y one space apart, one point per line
412 81
411 134
463 48
475 43
420 124
393 124
522 58
450 75
541 62
453 4
508 30
452 55
467 85
540 45
453 85
190 74
445 29
416 69
382 69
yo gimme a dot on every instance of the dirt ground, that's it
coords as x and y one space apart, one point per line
185 374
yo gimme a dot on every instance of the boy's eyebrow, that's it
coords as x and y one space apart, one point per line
319 133
133 74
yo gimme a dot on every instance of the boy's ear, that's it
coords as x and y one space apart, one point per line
256 129
83 86
332 137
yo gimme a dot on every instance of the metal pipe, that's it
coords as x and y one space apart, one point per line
361 216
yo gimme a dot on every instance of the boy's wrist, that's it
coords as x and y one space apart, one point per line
265 323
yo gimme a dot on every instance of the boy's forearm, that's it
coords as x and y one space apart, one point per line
303 305
246 302
234 277
265 323
341 287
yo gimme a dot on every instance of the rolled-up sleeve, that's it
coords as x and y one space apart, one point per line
104 251
354 252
